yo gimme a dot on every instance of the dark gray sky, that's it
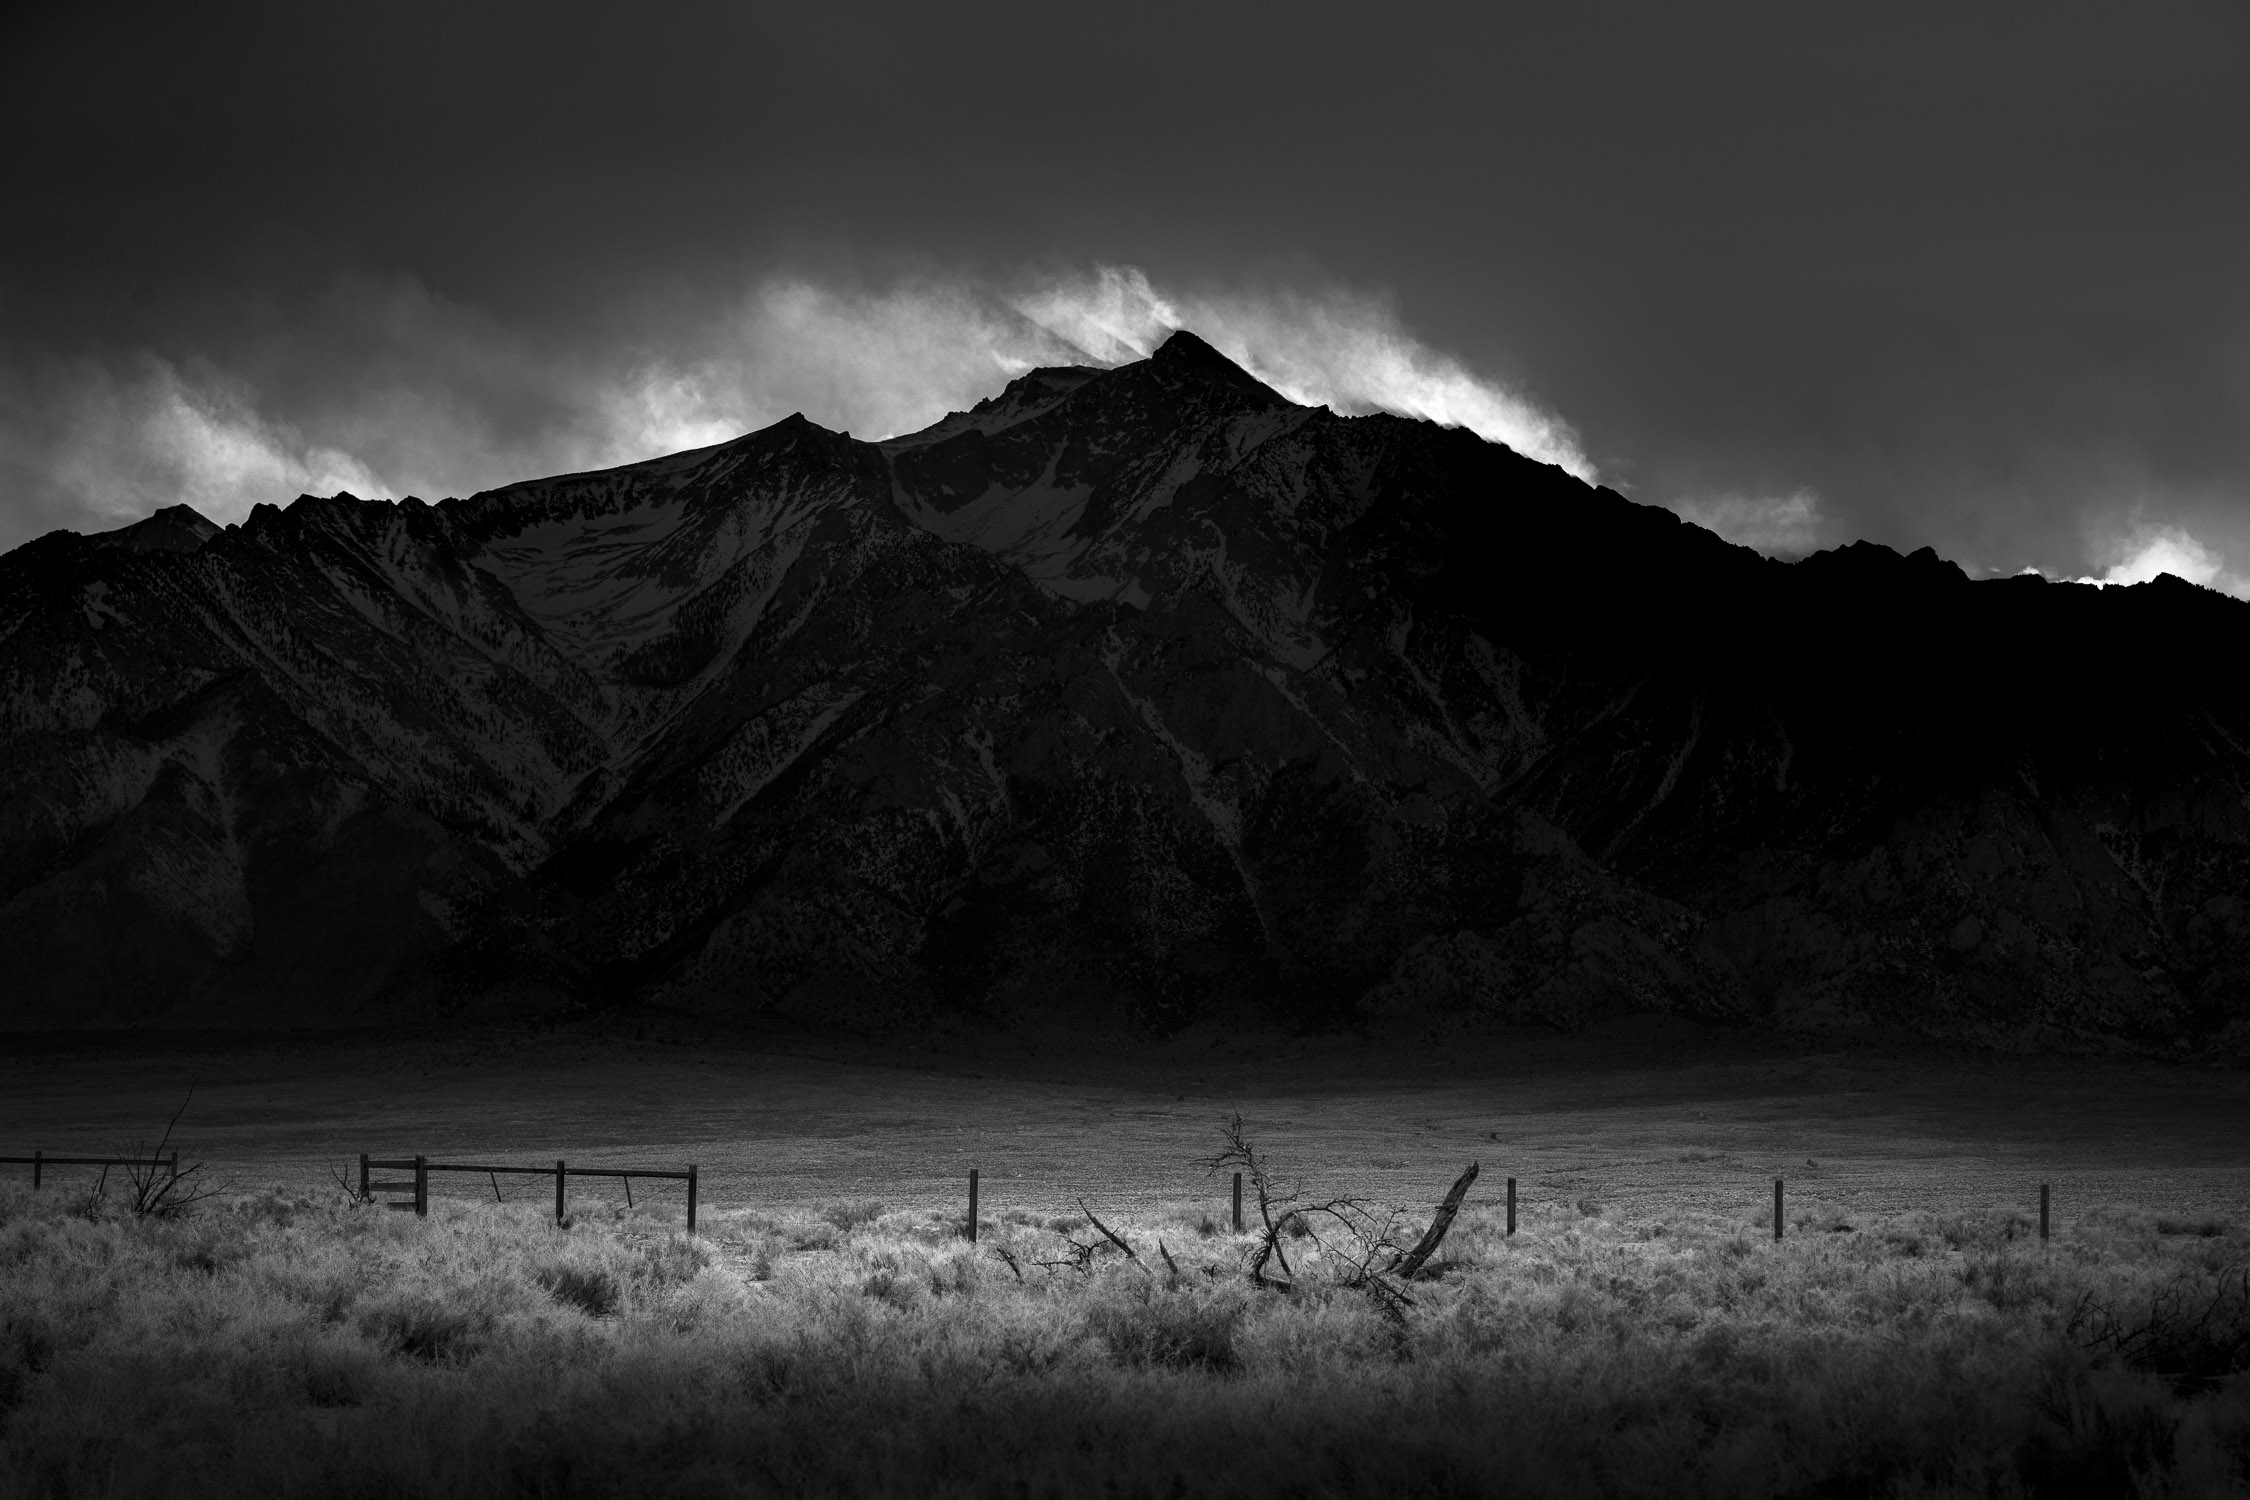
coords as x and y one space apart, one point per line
1969 275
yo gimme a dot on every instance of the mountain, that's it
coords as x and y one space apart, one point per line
1133 693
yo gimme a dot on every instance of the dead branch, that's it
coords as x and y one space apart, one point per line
1406 1265
1269 1248
1008 1258
2190 1330
1358 1237
1238 1152
169 1125
1170 1264
1110 1234
160 1192
1080 1259
162 1189
342 1177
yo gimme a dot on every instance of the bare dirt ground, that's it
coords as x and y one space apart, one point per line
1645 1117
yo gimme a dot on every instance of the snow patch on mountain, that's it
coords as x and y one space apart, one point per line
584 578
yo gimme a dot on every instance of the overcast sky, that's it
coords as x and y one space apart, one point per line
1972 275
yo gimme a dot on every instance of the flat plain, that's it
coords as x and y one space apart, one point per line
830 1331
1641 1117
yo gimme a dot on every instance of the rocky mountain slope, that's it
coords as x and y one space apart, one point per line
1134 693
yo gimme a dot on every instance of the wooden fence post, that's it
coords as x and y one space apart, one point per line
421 1187
1511 1205
1777 1210
363 1193
1238 1203
972 1205
558 1192
38 1166
2042 1211
691 1197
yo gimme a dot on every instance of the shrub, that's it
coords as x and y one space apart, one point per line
337 1372
900 1280
673 1261
2204 1227
593 1290
855 1214
818 1235
1185 1328
325 1351
423 1326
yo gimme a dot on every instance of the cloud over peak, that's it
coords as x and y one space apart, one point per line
2150 551
1336 348
438 399
1789 525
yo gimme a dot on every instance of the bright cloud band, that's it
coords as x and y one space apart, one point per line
105 444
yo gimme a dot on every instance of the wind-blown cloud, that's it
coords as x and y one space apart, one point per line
886 362
439 399
116 445
2147 552
1334 348
871 363
435 398
1787 526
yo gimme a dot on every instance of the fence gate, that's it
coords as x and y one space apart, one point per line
416 1190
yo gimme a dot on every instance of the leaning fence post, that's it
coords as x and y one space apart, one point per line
1511 1205
972 1205
691 1197
1238 1203
558 1192
363 1194
2042 1210
421 1187
1777 1210
38 1167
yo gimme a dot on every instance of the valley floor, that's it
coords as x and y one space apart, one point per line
830 1332
1643 1116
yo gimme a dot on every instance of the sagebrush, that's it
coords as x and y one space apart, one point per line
288 1345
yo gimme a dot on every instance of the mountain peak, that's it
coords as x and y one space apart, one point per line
175 528
1252 710
1028 395
1184 350
1184 356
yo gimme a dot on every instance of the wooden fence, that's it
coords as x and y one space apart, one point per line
418 1186
40 1161
1779 1226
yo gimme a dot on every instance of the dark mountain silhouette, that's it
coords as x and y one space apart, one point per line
1137 690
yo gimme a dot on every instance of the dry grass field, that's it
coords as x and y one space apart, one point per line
829 1332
